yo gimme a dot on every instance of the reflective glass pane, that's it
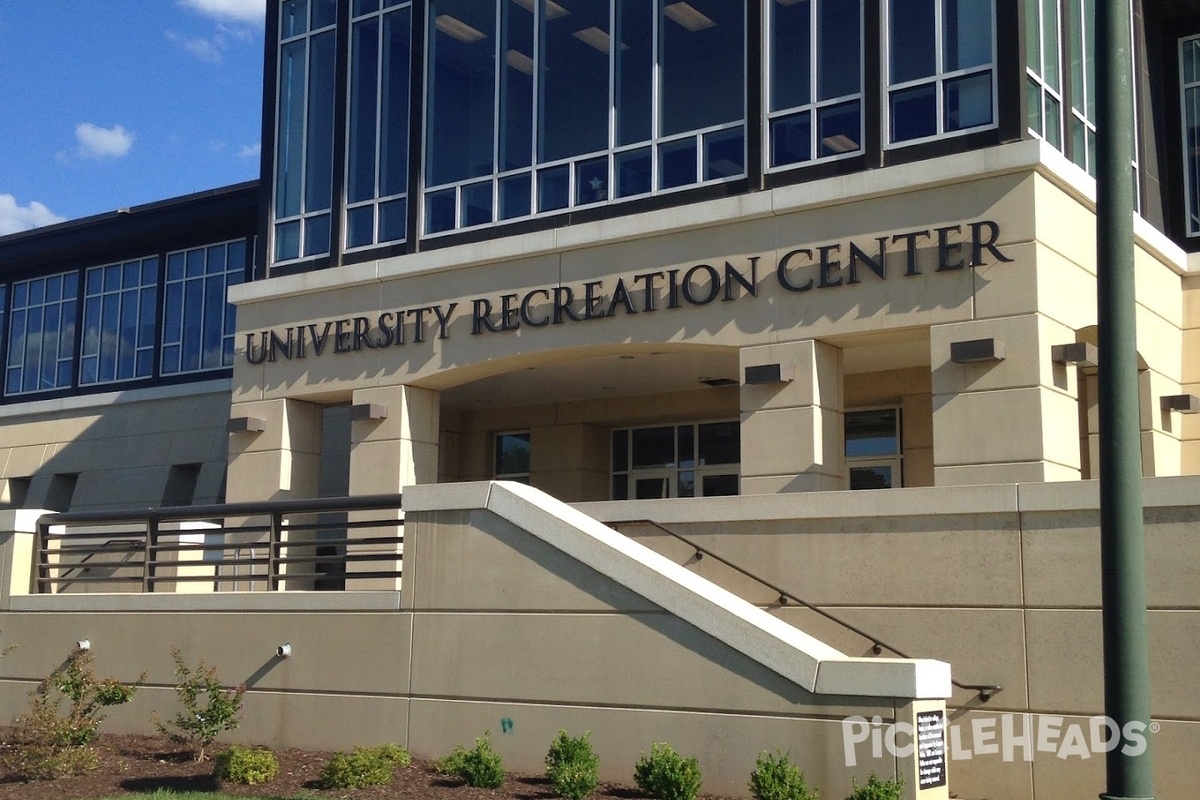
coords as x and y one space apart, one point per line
214 308
969 102
1190 55
839 129
686 445
515 196
686 484
361 7
653 447
651 488
620 451
1050 43
393 220
1192 167
440 211
876 477
872 433
516 87
914 113
1078 142
461 91
724 154
360 226
573 82
1033 106
791 140
677 163
364 65
634 172
634 71
289 156
394 117
967 36
324 13
293 18
287 241
702 64
554 188
316 235
839 43
720 443
620 487
512 453
591 181
1053 122
912 40
318 167
720 485
791 54
477 204
1033 50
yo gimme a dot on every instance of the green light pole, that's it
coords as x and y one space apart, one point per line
1122 554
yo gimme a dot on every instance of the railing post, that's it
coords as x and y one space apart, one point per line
276 536
41 557
148 556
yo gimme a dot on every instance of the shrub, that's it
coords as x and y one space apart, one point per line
50 740
573 766
666 775
363 766
775 777
208 708
246 765
481 766
876 789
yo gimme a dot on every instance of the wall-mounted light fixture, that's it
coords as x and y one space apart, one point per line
368 411
974 351
83 645
1183 403
246 425
284 650
1083 354
763 374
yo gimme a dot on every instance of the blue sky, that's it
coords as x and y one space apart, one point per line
113 103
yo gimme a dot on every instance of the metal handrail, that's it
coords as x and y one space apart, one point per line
985 690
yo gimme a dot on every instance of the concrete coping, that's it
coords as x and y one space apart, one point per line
797 656
211 602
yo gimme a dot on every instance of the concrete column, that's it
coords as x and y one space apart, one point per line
283 460
1190 424
570 461
792 430
385 456
18 540
1014 420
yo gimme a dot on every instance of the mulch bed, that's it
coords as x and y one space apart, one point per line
145 763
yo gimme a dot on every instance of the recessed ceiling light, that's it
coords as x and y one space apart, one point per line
519 61
841 143
595 37
688 17
453 26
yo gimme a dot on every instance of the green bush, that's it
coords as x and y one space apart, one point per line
481 766
775 777
876 789
573 766
666 775
52 739
208 708
248 766
363 766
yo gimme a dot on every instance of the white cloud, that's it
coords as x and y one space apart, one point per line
97 142
250 150
252 11
204 49
15 218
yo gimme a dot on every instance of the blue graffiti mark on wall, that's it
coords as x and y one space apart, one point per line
506 724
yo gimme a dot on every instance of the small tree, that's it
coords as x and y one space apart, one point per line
208 708
52 739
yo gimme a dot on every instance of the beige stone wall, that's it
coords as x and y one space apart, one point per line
1190 424
122 447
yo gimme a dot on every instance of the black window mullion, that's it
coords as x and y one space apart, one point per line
1010 71
874 83
755 37
77 338
418 32
341 55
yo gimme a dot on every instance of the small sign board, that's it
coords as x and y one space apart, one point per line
931 749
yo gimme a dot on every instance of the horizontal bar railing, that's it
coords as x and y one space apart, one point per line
319 543
985 690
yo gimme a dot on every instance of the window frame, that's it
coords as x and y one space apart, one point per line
896 460
1036 78
675 469
1191 216
120 292
521 477
938 79
228 337
70 319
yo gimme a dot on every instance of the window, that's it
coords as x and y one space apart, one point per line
814 81
378 125
1189 82
535 108
873 449
512 457
1081 36
1043 46
41 336
940 68
119 304
198 324
304 128
689 460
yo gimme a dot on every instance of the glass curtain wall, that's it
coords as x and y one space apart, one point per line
119 303
1081 38
41 342
198 324
1189 82
304 128
940 68
535 106
378 123
814 80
